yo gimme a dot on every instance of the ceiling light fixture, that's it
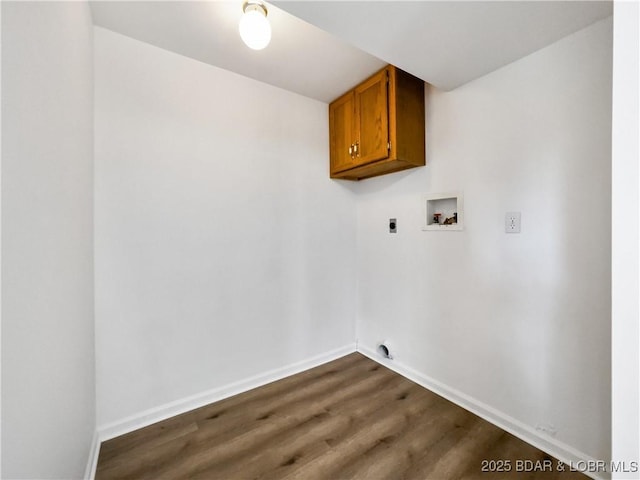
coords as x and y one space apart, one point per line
255 29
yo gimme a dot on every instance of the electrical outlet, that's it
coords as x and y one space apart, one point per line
393 225
512 222
547 428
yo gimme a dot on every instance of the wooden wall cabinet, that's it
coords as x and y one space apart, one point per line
378 127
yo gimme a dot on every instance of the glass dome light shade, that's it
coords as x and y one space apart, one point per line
255 29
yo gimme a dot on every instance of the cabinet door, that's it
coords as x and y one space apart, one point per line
341 132
372 117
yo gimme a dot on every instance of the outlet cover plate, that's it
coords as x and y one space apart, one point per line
512 222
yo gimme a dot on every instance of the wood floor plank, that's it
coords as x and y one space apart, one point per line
348 419
369 429
296 420
459 457
243 406
247 401
399 459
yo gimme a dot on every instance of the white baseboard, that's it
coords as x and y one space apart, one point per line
556 448
92 462
553 447
168 410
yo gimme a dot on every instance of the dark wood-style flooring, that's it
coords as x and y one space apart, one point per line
348 419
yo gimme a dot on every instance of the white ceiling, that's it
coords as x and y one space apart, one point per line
449 43
446 43
300 58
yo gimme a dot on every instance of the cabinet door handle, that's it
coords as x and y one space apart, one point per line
355 149
351 150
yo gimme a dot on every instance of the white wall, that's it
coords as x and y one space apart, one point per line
48 389
518 323
223 250
625 216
